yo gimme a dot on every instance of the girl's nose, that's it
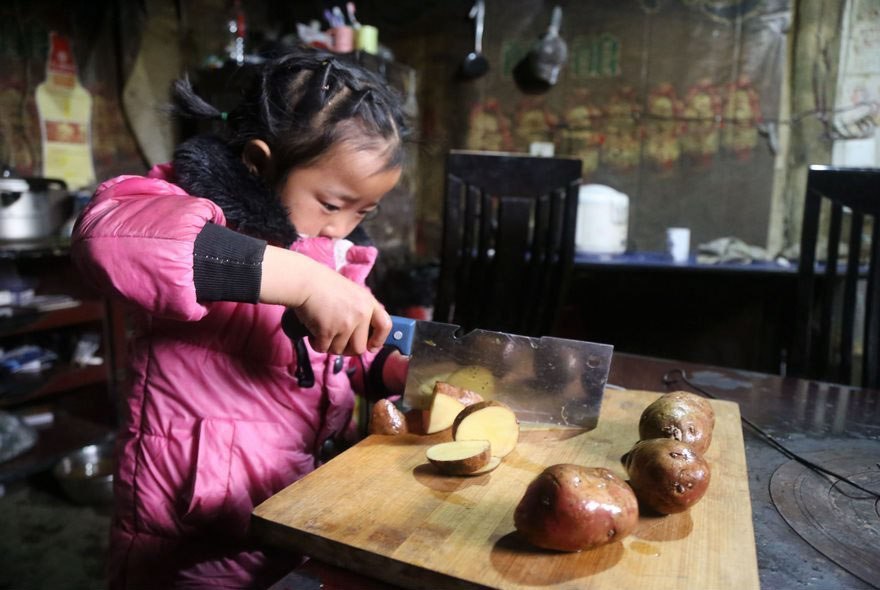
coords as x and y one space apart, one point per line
339 228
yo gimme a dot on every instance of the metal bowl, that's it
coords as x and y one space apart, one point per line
86 475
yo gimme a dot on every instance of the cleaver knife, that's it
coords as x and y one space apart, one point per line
546 380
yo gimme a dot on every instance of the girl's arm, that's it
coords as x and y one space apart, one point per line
342 316
148 243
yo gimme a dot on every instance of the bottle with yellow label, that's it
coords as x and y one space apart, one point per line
65 111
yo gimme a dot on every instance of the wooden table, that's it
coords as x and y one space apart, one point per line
732 315
806 416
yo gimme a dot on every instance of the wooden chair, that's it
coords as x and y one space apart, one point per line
827 319
508 240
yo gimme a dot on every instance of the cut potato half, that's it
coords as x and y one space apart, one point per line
460 457
442 414
465 396
489 420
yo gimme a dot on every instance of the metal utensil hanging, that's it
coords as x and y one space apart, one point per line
475 63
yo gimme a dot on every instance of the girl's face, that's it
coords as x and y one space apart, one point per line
332 196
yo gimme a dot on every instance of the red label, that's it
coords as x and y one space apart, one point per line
60 55
65 132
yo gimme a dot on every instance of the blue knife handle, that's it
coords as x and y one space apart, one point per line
403 332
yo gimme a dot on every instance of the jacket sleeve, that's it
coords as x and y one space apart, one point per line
136 239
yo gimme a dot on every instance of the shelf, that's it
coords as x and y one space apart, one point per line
81 400
35 321
65 434
51 247
23 388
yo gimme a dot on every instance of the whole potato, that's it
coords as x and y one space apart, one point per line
385 418
569 508
667 475
679 415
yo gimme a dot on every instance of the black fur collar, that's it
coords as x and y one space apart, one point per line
205 167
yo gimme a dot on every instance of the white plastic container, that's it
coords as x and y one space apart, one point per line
602 220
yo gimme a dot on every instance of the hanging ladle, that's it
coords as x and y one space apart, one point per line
475 64
539 70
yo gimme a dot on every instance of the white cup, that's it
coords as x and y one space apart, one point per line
678 243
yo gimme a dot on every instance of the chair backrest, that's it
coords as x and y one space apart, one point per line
830 308
508 240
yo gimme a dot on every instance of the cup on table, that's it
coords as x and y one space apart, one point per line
678 243
343 39
368 39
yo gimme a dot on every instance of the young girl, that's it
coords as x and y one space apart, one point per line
210 250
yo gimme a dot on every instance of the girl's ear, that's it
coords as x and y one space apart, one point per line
257 157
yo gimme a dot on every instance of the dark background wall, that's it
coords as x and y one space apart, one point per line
681 104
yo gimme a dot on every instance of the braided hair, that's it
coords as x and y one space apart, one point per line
304 102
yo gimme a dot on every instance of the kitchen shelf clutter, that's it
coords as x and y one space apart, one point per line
61 355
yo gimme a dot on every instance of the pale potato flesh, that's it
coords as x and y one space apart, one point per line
460 457
489 420
442 414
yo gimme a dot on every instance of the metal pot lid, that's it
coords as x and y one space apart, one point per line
839 521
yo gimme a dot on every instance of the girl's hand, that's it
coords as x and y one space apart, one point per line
341 316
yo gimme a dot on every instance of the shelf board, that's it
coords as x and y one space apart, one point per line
66 433
35 321
24 388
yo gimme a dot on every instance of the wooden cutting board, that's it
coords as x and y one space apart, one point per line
380 509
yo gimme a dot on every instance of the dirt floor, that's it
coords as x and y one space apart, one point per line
49 542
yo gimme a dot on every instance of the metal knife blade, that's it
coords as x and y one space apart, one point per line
545 380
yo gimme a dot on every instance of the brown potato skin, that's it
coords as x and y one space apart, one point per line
570 507
465 396
667 475
679 415
463 466
385 418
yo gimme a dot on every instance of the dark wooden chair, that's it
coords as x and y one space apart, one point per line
508 240
829 309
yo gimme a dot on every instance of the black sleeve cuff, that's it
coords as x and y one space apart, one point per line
375 384
227 265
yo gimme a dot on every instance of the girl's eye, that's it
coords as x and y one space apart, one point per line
330 207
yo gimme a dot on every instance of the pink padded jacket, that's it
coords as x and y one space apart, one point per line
215 421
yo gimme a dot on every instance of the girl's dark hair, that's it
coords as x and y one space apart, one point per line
304 102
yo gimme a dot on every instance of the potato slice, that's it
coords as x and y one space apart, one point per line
489 420
460 457
442 414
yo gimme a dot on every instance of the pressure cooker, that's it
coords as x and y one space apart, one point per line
32 208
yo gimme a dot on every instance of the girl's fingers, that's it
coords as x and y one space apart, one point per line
380 327
340 345
320 342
